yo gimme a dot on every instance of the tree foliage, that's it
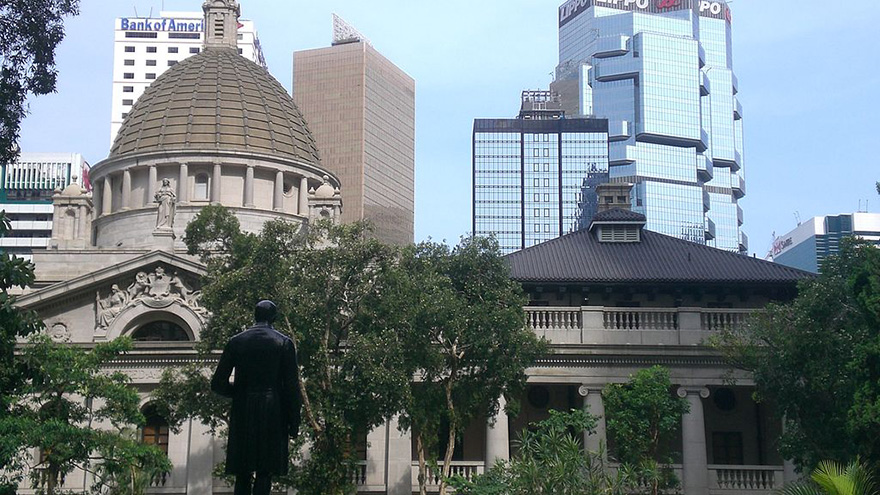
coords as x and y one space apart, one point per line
78 416
466 332
832 478
641 417
551 461
817 359
31 30
328 283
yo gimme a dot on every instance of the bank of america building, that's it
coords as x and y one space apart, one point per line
661 72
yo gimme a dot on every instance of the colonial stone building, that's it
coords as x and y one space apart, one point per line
217 129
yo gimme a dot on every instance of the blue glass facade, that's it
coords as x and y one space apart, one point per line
528 174
661 72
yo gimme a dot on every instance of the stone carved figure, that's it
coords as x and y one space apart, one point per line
109 307
156 290
167 200
265 401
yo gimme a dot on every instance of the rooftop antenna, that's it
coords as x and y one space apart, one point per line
344 32
797 217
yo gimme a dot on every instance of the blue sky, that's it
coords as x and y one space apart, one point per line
809 75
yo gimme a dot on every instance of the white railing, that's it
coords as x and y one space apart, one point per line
465 469
358 475
726 479
554 318
715 320
640 319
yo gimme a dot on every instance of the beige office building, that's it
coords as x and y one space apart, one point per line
360 108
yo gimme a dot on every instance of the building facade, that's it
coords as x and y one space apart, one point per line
528 173
819 237
26 196
145 47
361 109
662 73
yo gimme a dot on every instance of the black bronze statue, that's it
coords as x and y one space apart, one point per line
265 401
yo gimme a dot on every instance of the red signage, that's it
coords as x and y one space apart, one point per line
668 4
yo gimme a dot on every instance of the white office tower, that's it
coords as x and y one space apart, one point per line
26 195
145 47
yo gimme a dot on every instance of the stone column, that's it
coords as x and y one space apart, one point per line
303 207
278 202
399 468
151 185
594 405
377 445
498 437
693 433
126 190
249 187
107 198
215 184
789 472
200 459
183 185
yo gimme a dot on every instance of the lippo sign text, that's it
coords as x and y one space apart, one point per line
706 8
172 25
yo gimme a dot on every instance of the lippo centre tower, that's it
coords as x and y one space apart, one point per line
661 72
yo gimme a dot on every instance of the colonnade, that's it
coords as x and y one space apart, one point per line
108 182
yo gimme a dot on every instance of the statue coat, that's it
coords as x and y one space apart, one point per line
265 399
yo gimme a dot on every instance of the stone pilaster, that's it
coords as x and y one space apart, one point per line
594 405
693 433
498 437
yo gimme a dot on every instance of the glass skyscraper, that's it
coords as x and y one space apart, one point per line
529 171
661 72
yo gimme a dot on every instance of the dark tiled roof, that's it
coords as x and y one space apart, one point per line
580 258
618 215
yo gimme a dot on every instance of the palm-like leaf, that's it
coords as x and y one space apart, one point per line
832 478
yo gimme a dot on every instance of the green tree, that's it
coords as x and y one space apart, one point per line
466 332
550 460
328 283
78 416
832 478
32 29
641 417
817 359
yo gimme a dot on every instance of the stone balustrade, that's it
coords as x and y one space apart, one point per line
744 480
466 469
613 325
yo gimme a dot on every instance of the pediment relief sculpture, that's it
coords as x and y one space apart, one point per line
155 290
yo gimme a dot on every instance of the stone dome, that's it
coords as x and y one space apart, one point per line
216 100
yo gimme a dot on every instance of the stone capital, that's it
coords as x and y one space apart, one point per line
590 388
683 392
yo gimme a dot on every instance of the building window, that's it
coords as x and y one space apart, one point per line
151 63
172 63
240 36
151 75
128 62
172 49
128 89
240 51
129 49
537 182
200 191
160 331
537 212
194 50
151 49
141 35
727 448
156 429
127 102
184 36
128 75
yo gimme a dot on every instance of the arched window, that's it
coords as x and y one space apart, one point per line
160 331
200 191
155 431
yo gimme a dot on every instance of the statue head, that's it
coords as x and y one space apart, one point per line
265 312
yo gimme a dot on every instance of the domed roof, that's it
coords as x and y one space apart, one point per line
216 100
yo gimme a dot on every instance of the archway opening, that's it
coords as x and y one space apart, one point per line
160 331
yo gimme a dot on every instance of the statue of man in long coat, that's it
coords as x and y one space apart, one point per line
265 401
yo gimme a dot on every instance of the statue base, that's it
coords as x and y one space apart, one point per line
164 239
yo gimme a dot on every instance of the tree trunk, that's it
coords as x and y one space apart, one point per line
450 440
423 470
